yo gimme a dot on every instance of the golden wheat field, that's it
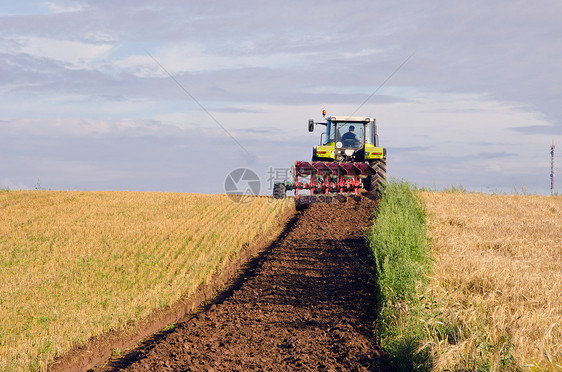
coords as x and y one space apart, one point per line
74 265
497 281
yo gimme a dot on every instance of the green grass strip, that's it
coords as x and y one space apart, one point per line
400 247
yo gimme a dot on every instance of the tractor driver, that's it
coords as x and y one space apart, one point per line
350 139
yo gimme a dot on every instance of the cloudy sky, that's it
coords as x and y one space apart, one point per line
174 95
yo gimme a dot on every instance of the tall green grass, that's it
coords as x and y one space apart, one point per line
400 247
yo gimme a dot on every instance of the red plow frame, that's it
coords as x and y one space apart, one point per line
330 177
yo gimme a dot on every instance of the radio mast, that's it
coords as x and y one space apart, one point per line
552 147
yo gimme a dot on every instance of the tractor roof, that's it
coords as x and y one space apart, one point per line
355 119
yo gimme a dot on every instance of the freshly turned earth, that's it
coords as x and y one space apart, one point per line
305 304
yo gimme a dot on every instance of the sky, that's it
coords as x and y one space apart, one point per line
175 95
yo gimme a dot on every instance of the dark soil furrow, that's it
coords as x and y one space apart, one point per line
307 304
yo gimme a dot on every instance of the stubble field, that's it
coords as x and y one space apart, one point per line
74 265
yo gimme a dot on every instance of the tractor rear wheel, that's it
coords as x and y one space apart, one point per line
279 191
376 182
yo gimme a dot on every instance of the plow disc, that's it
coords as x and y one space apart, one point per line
328 178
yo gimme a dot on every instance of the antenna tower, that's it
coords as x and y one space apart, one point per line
552 147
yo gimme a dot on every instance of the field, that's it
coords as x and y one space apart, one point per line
74 265
496 287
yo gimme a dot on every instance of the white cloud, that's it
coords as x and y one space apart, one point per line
361 53
99 37
195 58
464 139
77 54
78 127
61 6
459 124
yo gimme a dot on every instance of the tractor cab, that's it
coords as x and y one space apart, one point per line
351 134
347 139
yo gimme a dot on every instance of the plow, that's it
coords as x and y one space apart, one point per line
347 161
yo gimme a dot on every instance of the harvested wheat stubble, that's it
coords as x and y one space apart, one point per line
306 304
75 265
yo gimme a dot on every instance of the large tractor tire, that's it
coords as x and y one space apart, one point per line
279 191
376 182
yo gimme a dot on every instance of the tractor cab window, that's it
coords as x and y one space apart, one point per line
330 130
341 132
351 135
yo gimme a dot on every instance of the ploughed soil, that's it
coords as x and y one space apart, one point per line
305 303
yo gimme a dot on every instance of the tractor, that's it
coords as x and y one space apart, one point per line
347 160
